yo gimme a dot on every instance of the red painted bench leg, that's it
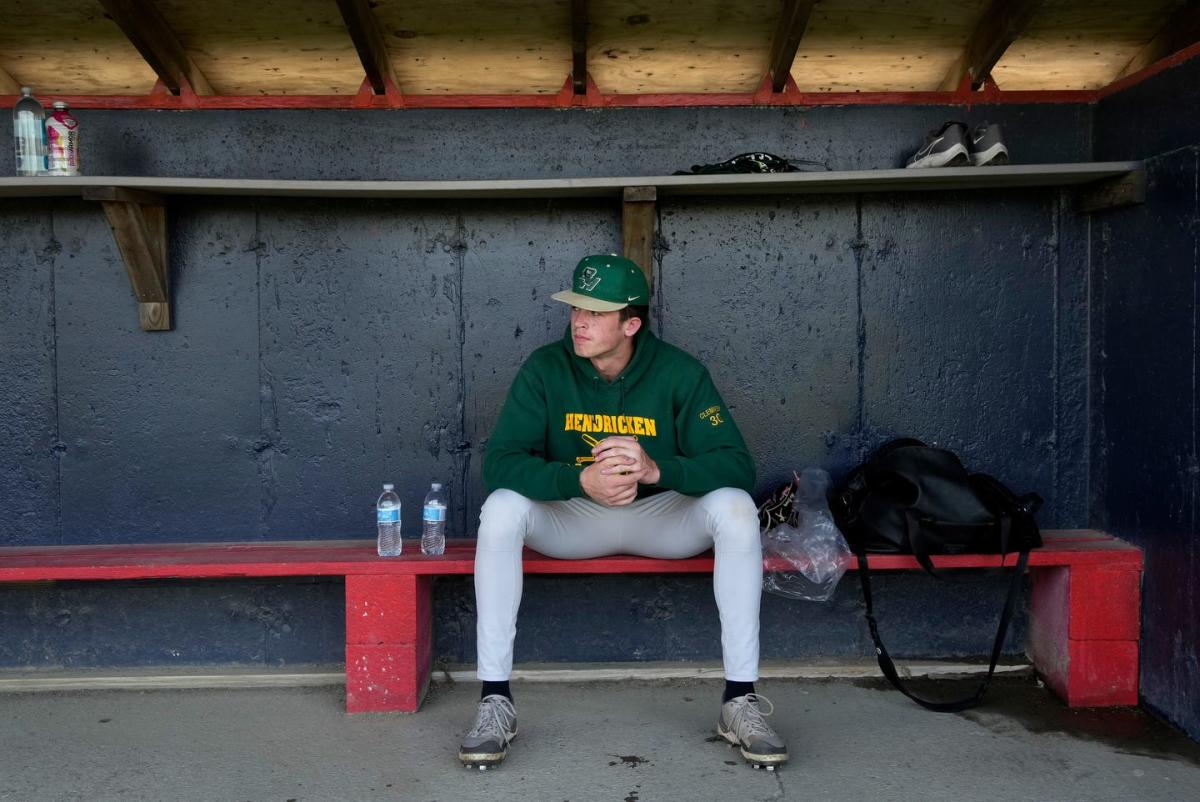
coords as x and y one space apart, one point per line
389 643
1084 626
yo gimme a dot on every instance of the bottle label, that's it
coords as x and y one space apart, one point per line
434 513
387 515
62 141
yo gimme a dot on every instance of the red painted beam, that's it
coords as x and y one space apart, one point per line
393 100
1173 60
594 98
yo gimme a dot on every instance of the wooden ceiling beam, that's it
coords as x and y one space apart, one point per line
1183 30
788 32
998 28
146 29
579 29
368 41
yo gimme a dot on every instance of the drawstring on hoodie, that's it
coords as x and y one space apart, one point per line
620 387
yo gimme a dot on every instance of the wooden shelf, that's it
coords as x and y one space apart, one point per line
901 180
136 206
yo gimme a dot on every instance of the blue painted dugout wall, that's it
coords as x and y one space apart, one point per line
324 346
1146 262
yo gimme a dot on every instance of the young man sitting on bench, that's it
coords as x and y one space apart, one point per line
614 442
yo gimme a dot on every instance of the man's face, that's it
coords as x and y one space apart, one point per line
600 334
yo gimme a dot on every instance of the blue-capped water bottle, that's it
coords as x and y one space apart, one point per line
387 518
433 521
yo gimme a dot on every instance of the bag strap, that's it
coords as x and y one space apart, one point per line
889 668
917 545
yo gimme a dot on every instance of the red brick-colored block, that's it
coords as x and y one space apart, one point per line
1104 673
1049 622
1105 604
1083 629
388 609
386 678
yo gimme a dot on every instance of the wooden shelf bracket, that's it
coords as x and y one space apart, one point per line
139 225
637 227
1113 193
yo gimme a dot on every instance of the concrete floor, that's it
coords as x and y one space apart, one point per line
619 742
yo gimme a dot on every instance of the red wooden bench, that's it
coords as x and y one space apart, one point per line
1083 630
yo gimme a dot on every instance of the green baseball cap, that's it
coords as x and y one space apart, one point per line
606 283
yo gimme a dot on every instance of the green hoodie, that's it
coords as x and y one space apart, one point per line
664 396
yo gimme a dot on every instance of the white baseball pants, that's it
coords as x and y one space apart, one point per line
667 525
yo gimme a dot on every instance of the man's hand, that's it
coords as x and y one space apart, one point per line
610 489
625 455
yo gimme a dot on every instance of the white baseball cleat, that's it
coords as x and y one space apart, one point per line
743 724
495 727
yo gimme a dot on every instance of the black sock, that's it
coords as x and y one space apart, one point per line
501 688
735 689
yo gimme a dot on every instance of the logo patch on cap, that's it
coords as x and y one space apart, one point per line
588 279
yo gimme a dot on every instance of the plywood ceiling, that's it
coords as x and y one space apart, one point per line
69 47
1080 44
680 45
276 47
523 47
883 45
507 46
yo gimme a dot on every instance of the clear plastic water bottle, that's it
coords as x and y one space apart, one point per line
433 521
387 518
29 134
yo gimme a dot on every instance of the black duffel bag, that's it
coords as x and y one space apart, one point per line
910 498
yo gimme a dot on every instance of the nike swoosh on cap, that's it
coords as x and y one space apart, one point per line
633 298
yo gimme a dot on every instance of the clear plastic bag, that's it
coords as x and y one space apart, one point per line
807 560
